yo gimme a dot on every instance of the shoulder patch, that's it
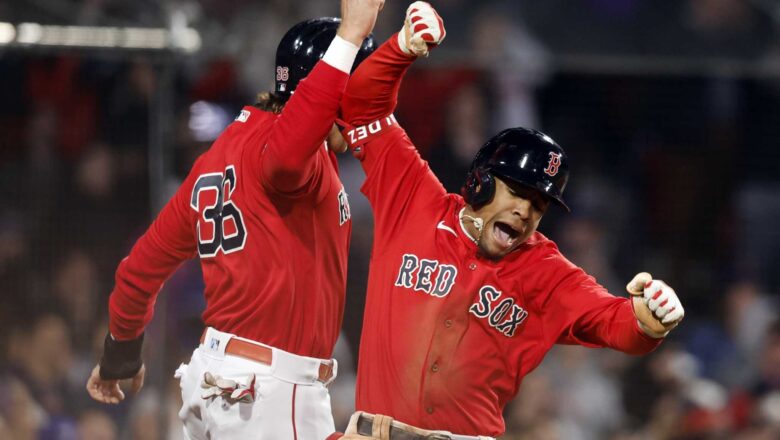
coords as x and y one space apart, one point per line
243 116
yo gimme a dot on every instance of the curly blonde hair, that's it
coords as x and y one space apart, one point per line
270 102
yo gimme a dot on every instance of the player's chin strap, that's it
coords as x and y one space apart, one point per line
478 223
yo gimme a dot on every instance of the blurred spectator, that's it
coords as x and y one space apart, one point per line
586 385
668 399
757 207
15 261
127 111
77 291
583 238
769 363
21 418
40 356
533 413
750 319
150 415
516 61
465 131
729 352
96 425
757 411
722 27
73 109
423 117
100 223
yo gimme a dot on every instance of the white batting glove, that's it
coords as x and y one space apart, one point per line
663 302
656 305
422 28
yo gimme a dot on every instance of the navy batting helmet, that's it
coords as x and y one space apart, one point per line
305 44
522 155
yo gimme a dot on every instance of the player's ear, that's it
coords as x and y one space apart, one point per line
479 188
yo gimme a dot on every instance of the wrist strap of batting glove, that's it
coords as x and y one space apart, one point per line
121 359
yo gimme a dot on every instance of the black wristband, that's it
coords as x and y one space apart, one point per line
121 359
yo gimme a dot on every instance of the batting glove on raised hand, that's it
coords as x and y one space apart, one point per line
656 305
423 28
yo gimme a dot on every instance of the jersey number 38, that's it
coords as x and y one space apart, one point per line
220 225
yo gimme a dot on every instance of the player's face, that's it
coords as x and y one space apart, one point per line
336 141
510 218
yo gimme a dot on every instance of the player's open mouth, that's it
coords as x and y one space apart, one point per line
505 235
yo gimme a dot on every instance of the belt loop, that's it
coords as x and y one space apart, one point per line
381 427
216 341
334 370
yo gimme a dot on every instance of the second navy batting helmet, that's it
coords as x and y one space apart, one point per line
522 155
305 44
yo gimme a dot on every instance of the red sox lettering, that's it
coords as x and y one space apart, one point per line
418 274
503 315
421 274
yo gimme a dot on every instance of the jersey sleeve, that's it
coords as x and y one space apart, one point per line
399 183
289 162
580 311
168 242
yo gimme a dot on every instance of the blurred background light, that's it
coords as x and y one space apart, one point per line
207 120
180 38
30 33
7 33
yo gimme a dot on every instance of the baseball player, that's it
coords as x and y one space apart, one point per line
265 211
465 297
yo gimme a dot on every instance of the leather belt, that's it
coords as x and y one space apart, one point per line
365 424
261 353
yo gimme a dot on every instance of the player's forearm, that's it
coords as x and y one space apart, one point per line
306 120
156 255
138 280
372 91
131 305
616 327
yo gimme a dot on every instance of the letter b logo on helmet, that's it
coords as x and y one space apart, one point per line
523 155
553 164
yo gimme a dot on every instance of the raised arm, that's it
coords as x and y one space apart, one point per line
290 159
398 181
372 92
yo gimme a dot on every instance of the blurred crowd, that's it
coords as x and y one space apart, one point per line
673 171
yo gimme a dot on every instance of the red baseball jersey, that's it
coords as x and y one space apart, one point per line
448 336
267 214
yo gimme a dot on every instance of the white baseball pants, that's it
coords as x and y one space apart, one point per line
289 402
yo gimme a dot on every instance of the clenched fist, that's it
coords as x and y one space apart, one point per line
422 29
656 305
